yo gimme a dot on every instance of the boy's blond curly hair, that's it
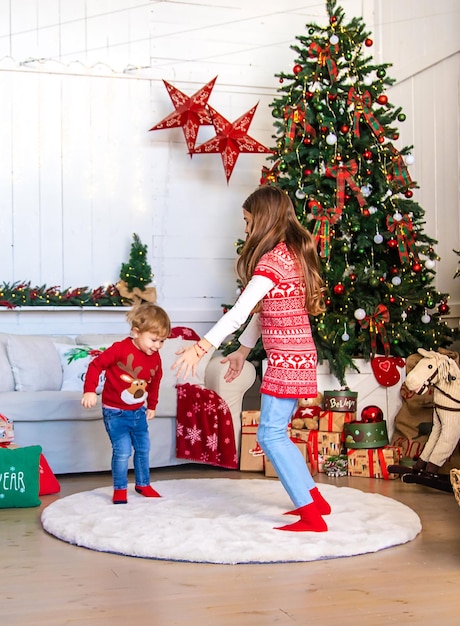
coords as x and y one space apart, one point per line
149 317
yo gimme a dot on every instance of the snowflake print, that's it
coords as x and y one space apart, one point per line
212 442
179 429
181 391
193 434
222 406
208 406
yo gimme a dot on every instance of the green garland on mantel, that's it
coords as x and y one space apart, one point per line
13 295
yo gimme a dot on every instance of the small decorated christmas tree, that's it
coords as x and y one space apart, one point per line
336 157
136 275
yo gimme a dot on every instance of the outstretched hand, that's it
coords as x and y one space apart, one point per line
235 362
186 362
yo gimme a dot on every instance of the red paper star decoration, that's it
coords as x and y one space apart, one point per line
191 112
231 139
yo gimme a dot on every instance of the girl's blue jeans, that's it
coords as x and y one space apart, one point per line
272 435
128 430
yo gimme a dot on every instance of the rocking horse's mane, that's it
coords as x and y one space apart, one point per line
447 368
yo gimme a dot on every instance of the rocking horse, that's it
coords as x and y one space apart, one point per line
440 372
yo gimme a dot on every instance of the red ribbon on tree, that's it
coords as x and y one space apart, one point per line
324 58
363 104
344 173
269 175
294 116
322 230
376 325
404 232
401 179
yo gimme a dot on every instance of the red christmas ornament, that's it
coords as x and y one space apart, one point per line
307 141
190 112
352 277
409 193
392 299
382 99
367 154
333 19
339 289
416 267
443 308
371 414
281 80
324 129
366 212
332 97
396 136
308 172
381 139
344 129
394 270
392 243
368 42
297 69
231 139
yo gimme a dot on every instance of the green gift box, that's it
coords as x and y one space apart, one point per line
365 434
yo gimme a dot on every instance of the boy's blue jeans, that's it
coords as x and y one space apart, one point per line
128 430
287 459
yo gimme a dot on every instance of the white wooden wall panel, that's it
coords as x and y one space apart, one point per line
80 171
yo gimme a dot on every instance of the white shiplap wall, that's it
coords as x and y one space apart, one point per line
81 84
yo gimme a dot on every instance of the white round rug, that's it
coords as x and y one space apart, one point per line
227 521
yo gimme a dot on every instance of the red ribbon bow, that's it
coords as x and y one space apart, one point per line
324 58
344 174
401 179
363 103
376 325
404 232
294 116
322 229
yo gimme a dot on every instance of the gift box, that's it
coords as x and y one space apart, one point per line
334 466
343 401
250 418
303 447
322 444
6 430
334 421
373 462
363 435
251 456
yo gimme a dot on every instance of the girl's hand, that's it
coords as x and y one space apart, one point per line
150 414
186 363
89 400
235 362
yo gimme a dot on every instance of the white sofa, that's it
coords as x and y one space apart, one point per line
40 390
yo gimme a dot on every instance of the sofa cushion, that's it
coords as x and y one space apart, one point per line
47 406
74 362
19 477
35 363
6 375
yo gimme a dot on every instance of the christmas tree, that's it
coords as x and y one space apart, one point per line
136 272
336 157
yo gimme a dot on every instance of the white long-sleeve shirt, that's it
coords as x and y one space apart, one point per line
256 289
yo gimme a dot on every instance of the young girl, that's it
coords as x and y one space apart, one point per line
279 270
130 395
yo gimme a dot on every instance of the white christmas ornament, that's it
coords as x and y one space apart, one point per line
426 319
378 238
300 194
367 80
397 216
409 158
345 337
331 139
334 39
372 210
396 280
430 264
366 190
360 314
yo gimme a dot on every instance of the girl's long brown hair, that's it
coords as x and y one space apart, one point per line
274 220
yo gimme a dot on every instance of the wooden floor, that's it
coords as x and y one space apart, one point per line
46 582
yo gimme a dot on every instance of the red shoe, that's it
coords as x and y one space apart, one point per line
322 505
147 491
310 520
120 496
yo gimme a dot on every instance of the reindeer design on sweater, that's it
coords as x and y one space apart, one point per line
137 390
